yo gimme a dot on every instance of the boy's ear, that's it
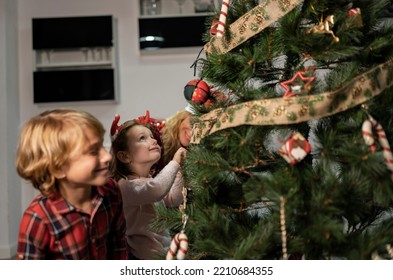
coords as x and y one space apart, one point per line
123 157
59 174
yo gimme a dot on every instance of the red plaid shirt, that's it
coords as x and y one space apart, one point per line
51 228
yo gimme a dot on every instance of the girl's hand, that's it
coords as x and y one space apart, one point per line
180 153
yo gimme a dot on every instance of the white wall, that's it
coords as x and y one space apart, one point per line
153 82
10 189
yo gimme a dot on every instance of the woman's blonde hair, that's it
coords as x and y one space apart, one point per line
170 135
48 141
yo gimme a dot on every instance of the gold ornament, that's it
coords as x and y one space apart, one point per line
283 228
323 27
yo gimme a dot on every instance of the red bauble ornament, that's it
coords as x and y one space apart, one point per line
197 91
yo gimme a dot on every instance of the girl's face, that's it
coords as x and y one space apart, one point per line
142 146
185 132
89 167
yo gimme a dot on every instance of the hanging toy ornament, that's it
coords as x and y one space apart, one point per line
179 243
295 148
323 27
299 84
223 18
368 137
178 247
356 15
197 91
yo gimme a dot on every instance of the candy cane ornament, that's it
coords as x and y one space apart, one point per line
223 18
368 137
178 247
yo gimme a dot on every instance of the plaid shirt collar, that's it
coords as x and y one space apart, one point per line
62 206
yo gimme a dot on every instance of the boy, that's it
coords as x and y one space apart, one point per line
78 214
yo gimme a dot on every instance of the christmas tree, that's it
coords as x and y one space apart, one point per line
290 155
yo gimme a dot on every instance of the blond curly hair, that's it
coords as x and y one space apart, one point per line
170 134
48 141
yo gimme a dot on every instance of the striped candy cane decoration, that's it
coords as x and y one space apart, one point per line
223 18
368 137
179 244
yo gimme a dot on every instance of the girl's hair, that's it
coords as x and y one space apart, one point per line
119 169
170 136
48 141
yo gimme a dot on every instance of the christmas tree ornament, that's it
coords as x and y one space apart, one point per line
389 250
355 13
283 228
299 84
368 137
218 95
178 247
223 18
179 243
197 91
213 28
324 27
295 148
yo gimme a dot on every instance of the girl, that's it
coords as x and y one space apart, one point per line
78 213
135 151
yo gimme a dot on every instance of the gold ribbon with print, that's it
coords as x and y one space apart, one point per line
292 110
250 24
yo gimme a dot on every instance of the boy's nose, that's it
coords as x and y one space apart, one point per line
105 155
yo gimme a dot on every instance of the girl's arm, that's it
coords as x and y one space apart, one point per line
175 196
149 190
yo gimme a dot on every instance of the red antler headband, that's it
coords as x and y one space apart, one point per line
115 128
148 120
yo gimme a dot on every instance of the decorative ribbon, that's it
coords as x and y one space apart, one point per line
280 111
250 24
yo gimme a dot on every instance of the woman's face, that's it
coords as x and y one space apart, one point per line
185 132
